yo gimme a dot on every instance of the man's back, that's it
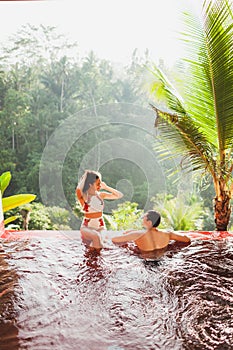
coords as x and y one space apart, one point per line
153 239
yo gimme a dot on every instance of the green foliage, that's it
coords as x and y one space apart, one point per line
179 213
41 85
126 216
15 201
39 218
199 124
5 179
59 218
46 218
11 219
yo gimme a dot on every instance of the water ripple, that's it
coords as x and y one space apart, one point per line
58 294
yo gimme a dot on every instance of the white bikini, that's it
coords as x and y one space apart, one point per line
93 204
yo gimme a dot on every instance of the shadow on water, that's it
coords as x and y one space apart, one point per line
8 315
60 294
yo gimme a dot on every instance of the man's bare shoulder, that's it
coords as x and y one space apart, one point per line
175 236
163 232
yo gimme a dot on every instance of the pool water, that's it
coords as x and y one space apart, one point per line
58 294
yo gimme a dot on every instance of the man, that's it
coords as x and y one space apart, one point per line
151 239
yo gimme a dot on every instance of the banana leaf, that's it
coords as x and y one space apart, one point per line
11 219
5 179
12 202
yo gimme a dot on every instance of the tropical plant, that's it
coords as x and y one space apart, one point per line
199 126
41 217
179 213
47 218
127 215
14 201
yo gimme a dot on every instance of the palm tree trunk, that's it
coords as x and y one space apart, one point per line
222 210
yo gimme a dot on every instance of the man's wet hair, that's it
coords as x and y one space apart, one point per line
154 217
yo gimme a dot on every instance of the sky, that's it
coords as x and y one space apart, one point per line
111 28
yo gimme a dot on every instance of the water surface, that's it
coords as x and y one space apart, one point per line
57 294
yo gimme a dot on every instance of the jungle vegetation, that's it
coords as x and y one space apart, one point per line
43 82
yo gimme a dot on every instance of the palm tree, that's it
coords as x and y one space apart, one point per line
200 125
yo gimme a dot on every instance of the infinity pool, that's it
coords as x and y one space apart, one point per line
57 294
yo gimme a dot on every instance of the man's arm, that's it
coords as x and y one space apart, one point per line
131 231
180 238
132 236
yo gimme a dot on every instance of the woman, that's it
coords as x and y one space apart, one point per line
92 202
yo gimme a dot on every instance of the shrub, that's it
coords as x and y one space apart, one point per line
179 213
126 216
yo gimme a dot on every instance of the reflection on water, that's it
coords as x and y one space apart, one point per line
57 294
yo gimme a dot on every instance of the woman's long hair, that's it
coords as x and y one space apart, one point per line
88 178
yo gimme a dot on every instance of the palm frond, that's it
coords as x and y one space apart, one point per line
197 85
204 122
164 91
210 75
219 37
184 139
178 130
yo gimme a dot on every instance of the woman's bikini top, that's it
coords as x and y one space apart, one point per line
93 204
